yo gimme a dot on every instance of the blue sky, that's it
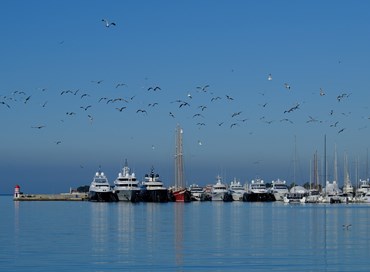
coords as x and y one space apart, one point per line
50 47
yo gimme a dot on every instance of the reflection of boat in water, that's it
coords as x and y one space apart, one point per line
153 189
100 189
237 190
279 189
126 186
257 192
219 191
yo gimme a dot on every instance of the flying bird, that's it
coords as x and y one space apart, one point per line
269 77
203 88
322 93
236 114
6 104
121 109
154 88
292 108
97 81
142 111
171 114
38 127
85 94
287 86
86 108
229 97
340 131
215 98
26 100
346 226
120 84
107 23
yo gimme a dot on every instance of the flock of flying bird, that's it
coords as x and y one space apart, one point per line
198 113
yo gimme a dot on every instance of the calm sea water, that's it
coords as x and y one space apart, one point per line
207 236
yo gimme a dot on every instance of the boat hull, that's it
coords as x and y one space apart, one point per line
128 195
258 197
180 195
102 196
225 196
154 195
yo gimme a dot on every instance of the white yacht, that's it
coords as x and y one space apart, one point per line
197 193
237 190
100 189
257 192
153 189
279 189
331 193
297 194
219 191
126 186
363 188
365 198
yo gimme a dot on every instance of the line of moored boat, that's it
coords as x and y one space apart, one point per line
127 187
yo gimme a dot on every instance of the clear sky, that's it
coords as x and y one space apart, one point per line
59 57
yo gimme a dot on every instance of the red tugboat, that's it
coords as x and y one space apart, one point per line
179 193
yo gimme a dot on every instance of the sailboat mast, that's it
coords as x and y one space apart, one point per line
179 178
325 177
335 164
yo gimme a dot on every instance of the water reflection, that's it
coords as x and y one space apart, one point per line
99 232
179 233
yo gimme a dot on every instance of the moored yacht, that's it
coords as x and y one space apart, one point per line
297 194
363 188
100 189
197 193
126 186
257 192
331 193
279 189
237 190
219 191
153 189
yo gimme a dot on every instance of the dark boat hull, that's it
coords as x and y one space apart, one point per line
102 196
258 197
154 196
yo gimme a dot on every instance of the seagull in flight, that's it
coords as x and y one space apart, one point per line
346 226
287 86
38 127
269 77
121 109
156 88
322 93
107 23
203 88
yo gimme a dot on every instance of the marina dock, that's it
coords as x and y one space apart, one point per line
51 197
71 196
